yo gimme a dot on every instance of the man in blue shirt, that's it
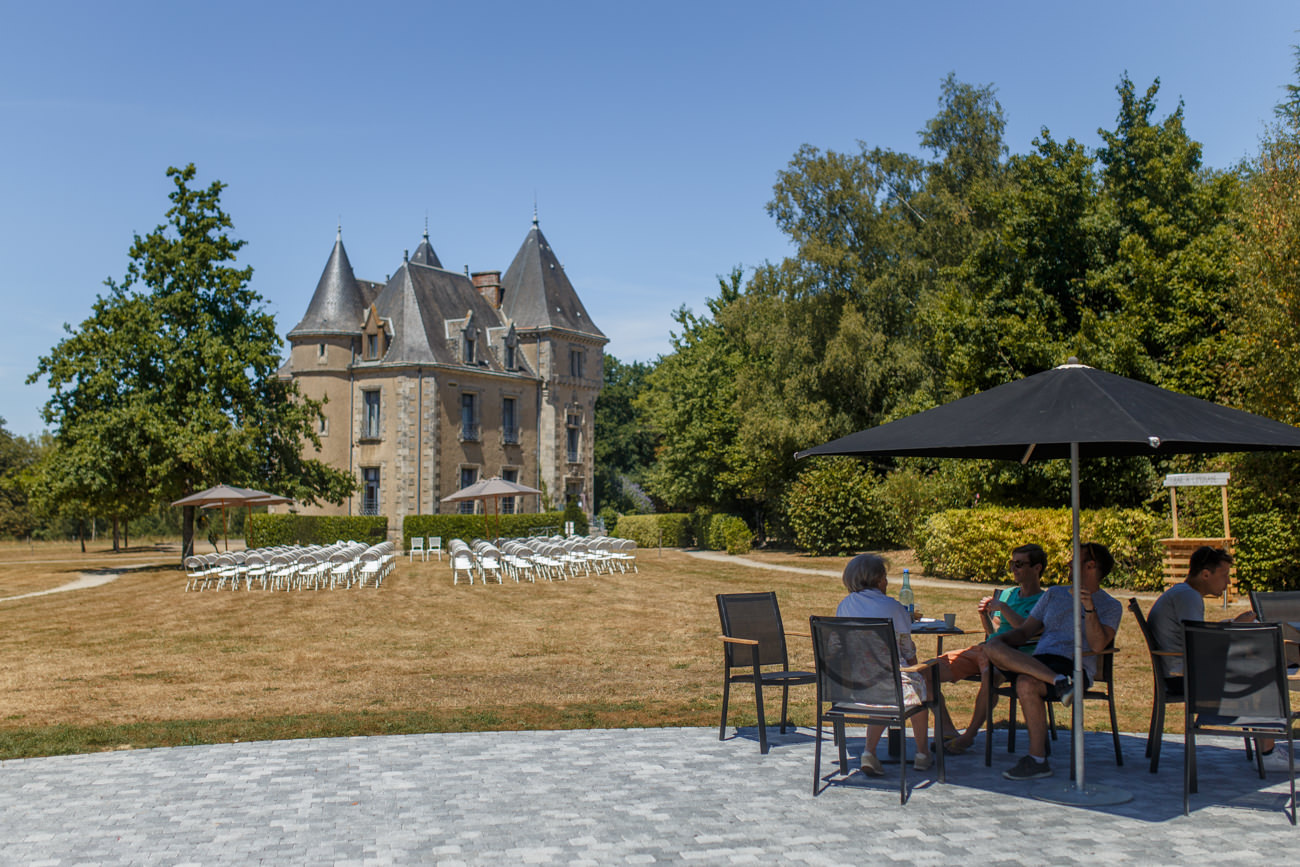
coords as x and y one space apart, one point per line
1010 607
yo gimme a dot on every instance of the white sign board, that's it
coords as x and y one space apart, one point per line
1196 480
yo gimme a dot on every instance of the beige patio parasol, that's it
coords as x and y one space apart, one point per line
494 488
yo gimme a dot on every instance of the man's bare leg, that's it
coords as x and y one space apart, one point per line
1033 704
1010 659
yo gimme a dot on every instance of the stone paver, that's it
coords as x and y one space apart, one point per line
633 796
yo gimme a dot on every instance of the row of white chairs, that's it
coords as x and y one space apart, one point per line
293 567
552 559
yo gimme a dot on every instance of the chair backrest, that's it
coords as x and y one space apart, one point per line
755 616
1157 662
856 660
1282 606
1236 673
435 543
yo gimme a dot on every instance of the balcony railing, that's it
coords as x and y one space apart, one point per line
510 434
469 432
573 456
370 507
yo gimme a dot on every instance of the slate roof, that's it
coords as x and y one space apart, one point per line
419 301
338 304
424 254
538 294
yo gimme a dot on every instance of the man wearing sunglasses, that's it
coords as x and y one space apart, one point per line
1047 674
1000 613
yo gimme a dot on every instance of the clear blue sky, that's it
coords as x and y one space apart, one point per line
649 134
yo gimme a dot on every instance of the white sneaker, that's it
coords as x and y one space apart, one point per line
871 765
1276 761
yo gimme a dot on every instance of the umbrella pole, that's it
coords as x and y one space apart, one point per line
1076 792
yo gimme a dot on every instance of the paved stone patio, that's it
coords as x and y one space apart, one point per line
628 796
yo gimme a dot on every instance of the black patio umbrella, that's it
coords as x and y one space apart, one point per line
1071 411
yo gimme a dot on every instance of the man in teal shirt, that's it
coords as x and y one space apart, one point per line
999 613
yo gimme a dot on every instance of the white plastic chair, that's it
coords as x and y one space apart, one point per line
417 547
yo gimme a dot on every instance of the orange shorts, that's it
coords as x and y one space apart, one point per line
966 662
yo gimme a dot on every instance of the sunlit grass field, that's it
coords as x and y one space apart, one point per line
138 662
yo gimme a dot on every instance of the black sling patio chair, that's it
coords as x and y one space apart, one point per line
1161 697
860 681
1236 685
754 651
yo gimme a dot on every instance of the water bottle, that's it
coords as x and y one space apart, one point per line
905 595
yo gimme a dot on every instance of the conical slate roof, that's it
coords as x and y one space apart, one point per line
338 304
537 294
424 254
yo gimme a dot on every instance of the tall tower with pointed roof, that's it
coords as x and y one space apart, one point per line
433 379
567 350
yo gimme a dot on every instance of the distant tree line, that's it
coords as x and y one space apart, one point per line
922 277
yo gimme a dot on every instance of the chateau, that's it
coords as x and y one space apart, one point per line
436 379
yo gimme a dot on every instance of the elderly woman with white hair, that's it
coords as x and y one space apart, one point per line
865 579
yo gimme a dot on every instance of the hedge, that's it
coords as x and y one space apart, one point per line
469 527
265 530
975 544
645 529
834 507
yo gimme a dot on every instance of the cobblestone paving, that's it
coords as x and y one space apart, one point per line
636 796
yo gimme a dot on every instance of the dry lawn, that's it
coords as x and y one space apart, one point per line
139 662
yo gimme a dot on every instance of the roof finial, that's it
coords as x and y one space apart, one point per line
339 236
426 225
534 209
406 255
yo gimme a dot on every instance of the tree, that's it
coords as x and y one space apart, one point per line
17 455
624 445
170 386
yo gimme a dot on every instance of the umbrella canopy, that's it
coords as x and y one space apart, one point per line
1071 411
1107 415
493 487
225 496
490 489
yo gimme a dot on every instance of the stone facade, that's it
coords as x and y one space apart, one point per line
436 379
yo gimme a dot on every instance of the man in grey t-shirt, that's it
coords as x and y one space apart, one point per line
1208 575
1047 674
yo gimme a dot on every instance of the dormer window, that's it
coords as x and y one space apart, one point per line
511 348
372 346
467 346
320 350
575 362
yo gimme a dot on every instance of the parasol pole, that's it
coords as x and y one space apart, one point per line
1075 792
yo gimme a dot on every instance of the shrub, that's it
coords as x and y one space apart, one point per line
974 544
609 516
911 496
833 508
266 530
573 512
645 530
1267 550
469 527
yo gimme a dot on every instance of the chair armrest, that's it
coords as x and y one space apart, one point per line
1165 653
729 640
920 666
799 634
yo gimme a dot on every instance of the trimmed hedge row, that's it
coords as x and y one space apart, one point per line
974 544
717 532
645 530
264 530
469 527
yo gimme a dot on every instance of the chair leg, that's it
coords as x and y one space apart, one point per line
1011 724
1189 768
726 693
902 766
1051 729
817 757
758 705
1114 726
1155 738
785 706
842 741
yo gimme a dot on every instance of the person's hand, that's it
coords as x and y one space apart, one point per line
1245 617
1085 600
986 605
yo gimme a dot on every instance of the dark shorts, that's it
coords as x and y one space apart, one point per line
1174 687
1062 665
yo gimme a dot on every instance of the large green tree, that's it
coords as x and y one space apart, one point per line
170 386
624 444
17 455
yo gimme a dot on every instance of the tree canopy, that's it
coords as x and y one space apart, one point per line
171 384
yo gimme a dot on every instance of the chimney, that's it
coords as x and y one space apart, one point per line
488 284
